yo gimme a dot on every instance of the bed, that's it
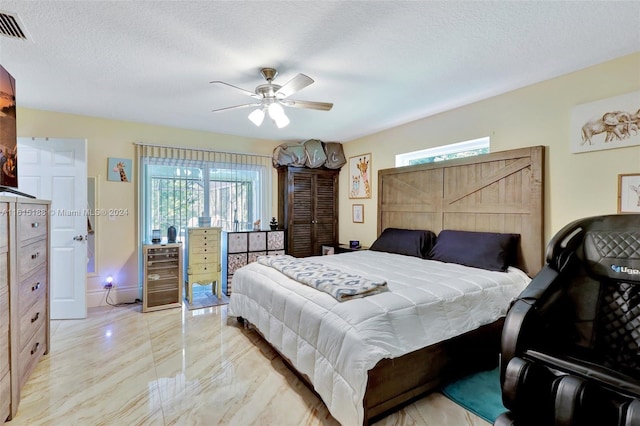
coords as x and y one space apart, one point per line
370 355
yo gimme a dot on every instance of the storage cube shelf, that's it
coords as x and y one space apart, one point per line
162 286
241 248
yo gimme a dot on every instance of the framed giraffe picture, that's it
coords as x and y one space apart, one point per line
119 169
360 176
629 193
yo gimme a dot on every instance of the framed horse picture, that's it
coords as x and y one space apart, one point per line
606 124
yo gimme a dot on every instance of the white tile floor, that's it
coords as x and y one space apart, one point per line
180 367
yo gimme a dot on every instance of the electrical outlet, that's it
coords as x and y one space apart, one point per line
110 285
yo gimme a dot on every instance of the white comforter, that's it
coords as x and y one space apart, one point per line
336 343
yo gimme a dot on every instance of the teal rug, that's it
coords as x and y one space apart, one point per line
479 393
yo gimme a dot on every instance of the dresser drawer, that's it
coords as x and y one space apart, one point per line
203 268
4 271
5 396
209 249
162 252
31 256
31 353
208 240
4 331
32 221
4 225
209 256
33 288
31 320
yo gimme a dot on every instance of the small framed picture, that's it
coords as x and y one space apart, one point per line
119 169
629 193
358 213
359 172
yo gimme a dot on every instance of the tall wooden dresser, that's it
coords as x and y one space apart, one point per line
308 208
5 367
24 290
162 285
203 259
241 248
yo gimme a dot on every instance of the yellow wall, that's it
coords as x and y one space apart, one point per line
116 240
577 185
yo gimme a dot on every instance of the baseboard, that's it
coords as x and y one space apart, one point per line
118 294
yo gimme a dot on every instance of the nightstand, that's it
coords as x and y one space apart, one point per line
344 248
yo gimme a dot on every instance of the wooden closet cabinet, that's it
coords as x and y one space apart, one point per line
308 209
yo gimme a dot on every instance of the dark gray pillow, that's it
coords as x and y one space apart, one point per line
487 250
409 242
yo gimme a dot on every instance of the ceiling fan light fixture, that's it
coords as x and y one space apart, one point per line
276 112
257 116
282 121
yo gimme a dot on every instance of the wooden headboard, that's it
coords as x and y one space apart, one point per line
497 192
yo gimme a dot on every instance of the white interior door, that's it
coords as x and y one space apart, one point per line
56 170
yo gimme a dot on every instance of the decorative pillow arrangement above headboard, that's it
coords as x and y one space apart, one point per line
487 250
409 242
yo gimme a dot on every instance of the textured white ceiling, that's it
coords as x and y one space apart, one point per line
381 63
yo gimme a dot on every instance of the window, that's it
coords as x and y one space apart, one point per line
230 191
445 152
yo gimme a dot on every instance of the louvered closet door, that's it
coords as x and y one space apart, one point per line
326 214
301 202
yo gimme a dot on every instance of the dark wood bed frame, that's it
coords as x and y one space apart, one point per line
498 192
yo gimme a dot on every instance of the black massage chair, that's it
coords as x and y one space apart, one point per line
571 341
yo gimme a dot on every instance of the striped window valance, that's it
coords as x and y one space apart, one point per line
181 156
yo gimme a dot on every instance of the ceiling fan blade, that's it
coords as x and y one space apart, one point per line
322 106
246 92
256 104
297 83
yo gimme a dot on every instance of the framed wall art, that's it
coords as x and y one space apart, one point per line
359 176
119 169
629 193
357 213
606 124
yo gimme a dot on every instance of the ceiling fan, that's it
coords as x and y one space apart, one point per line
270 97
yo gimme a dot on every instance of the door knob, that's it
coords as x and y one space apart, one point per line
78 238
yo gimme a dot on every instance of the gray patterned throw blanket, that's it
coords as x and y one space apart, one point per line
341 285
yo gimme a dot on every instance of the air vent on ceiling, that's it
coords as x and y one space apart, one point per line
11 26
